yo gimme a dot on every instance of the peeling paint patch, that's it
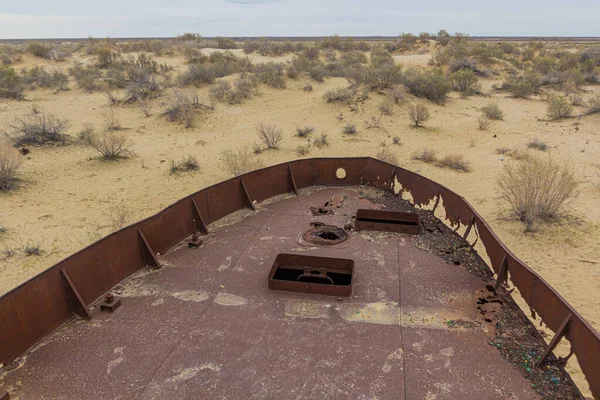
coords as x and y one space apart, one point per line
114 363
188 373
382 313
306 309
191 295
226 264
226 299
393 357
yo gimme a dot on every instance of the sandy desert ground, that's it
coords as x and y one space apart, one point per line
67 194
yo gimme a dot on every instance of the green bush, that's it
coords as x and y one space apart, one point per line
524 85
493 111
465 82
433 85
39 49
559 108
11 84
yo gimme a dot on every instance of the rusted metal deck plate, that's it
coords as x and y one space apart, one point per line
206 326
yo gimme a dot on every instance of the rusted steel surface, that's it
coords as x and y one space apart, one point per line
388 221
40 305
310 274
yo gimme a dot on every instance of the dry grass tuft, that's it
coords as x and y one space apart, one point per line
537 188
321 141
10 163
238 162
387 156
189 163
426 155
538 145
492 111
304 131
455 162
349 129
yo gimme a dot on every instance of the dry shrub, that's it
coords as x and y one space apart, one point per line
349 129
492 111
270 74
559 108
120 215
397 95
419 114
538 145
397 141
593 105
455 162
145 106
503 150
238 162
304 131
111 145
387 156
182 110
524 85
426 155
189 163
32 249
219 90
340 95
386 107
373 123
307 87
321 141
38 128
484 123
537 188
270 135
10 163
112 122
303 150
39 49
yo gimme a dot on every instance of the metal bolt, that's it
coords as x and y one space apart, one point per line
109 298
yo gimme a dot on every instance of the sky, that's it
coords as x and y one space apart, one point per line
27 19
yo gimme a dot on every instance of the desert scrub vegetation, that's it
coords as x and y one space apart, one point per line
182 109
593 105
559 108
418 114
455 162
303 150
428 156
492 111
39 77
373 123
240 161
186 164
32 249
537 188
11 83
465 82
204 70
483 123
321 141
349 129
221 91
433 85
10 163
39 49
537 145
112 145
340 95
387 156
524 85
271 74
38 128
386 107
270 135
304 131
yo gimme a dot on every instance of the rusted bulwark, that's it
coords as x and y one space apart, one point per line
37 307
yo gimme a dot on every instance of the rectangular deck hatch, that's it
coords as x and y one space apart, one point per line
309 274
388 221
